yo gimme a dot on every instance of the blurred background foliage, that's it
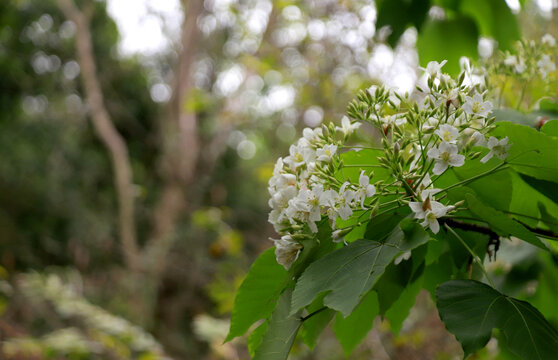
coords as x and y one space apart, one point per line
257 72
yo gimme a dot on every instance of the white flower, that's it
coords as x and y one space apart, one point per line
343 201
445 155
286 251
396 120
429 211
312 135
339 204
546 65
365 190
425 187
476 106
299 155
447 133
497 147
346 127
548 40
429 124
513 62
478 139
310 202
326 153
433 68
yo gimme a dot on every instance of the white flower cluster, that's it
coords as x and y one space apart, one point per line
532 59
420 142
303 189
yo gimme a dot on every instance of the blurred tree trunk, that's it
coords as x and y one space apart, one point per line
180 144
106 132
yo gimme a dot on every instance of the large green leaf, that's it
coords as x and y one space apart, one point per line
500 223
494 189
531 153
352 329
280 332
400 309
550 128
545 187
399 15
448 39
313 326
258 293
470 310
494 19
348 273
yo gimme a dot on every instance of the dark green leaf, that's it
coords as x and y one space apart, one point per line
313 326
500 223
548 219
448 39
531 153
399 15
400 309
547 188
550 128
494 189
470 310
257 294
281 331
494 19
347 273
351 330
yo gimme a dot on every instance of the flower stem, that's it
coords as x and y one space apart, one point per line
466 181
475 256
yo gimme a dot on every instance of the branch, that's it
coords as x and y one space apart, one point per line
107 133
180 147
492 234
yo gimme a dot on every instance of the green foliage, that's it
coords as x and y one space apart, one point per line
280 332
257 296
533 153
500 223
355 269
494 19
448 39
351 330
400 14
471 310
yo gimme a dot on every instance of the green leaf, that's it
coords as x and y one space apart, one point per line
257 294
495 189
550 128
514 116
531 153
494 19
350 331
547 188
281 331
470 310
365 157
500 223
255 338
448 39
400 309
548 219
347 273
399 15
313 326
549 105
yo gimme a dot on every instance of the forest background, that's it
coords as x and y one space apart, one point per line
133 184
